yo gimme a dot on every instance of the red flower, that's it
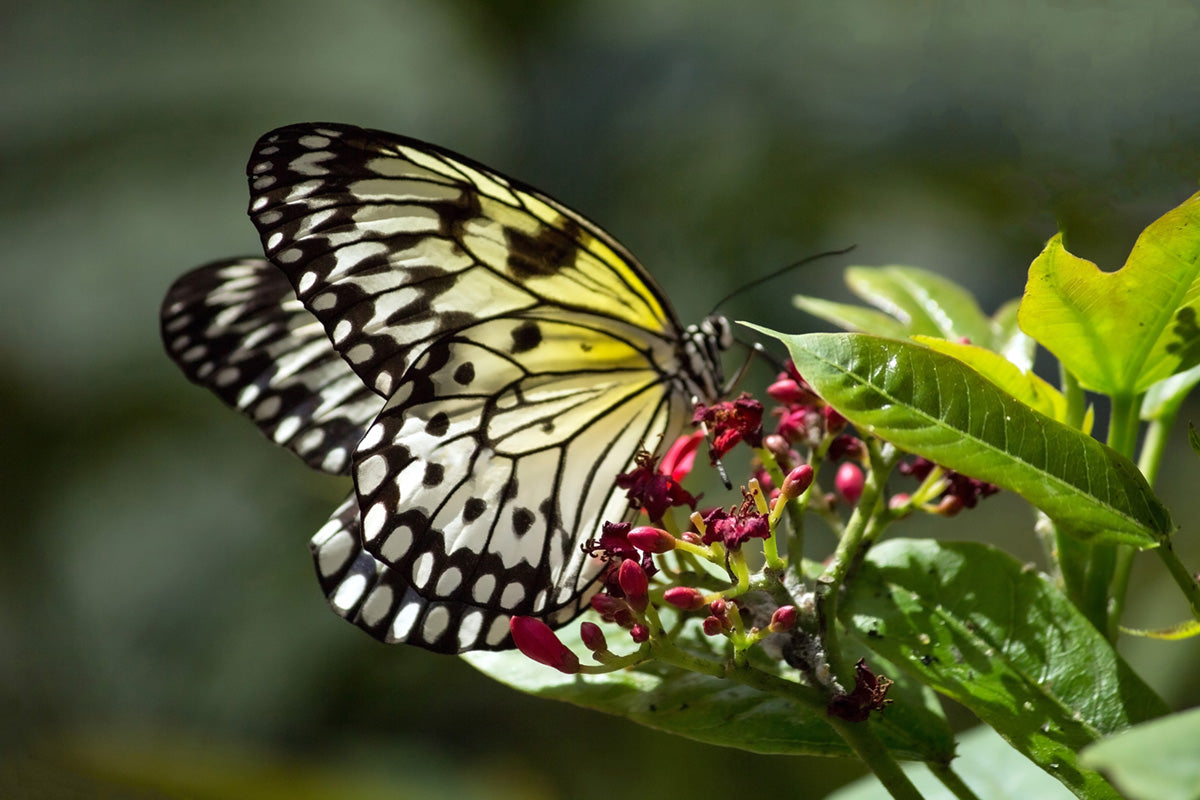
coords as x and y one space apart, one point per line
651 490
731 422
869 694
736 528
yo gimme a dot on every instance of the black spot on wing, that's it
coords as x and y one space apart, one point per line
545 254
525 337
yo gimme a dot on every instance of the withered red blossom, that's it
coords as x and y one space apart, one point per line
737 526
731 422
869 694
648 487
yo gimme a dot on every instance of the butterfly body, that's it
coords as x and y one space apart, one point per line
480 359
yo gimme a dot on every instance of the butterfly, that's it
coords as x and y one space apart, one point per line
480 359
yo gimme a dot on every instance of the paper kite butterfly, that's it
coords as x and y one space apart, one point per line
482 360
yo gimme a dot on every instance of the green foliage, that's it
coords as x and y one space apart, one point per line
935 406
1002 640
1030 652
1121 332
1153 761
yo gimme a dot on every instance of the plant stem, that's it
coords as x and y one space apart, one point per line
864 742
1187 583
870 503
951 780
1149 460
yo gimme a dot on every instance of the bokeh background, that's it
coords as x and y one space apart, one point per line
161 632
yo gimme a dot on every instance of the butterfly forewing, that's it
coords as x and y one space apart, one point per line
236 327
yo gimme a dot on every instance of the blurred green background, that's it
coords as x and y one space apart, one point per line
161 631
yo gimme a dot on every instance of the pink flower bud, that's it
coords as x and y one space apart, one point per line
788 391
535 639
949 505
639 633
593 637
651 540
712 626
849 482
717 608
612 609
797 482
834 421
634 583
784 619
691 537
776 444
684 597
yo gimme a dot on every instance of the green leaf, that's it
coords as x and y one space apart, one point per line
1164 398
851 317
1008 339
721 712
935 406
1024 385
1154 761
997 636
1120 332
928 303
985 762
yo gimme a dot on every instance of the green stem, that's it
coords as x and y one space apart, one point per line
862 739
1187 583
870 504
1149 460
951 780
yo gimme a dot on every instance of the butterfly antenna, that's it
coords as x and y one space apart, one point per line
781 271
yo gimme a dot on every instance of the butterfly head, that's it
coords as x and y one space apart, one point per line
703 345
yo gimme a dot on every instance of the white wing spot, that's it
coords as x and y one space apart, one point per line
370 473
405 619
436 623
484 586
422 570
497 631
288 256
372 522
348 593
306 282
469 627
377 605
448 581
512 594
313 142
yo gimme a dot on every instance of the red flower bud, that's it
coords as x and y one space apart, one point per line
784 619
797 482
717 608
535 639
593 637
834 422
712 626
651 540
634 583
639 633
849 482
684 597
612 609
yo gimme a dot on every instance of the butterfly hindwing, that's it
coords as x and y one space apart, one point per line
236 328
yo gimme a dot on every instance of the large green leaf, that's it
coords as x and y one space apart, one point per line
937 407
1120 332
991 633
1154 761
722 712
